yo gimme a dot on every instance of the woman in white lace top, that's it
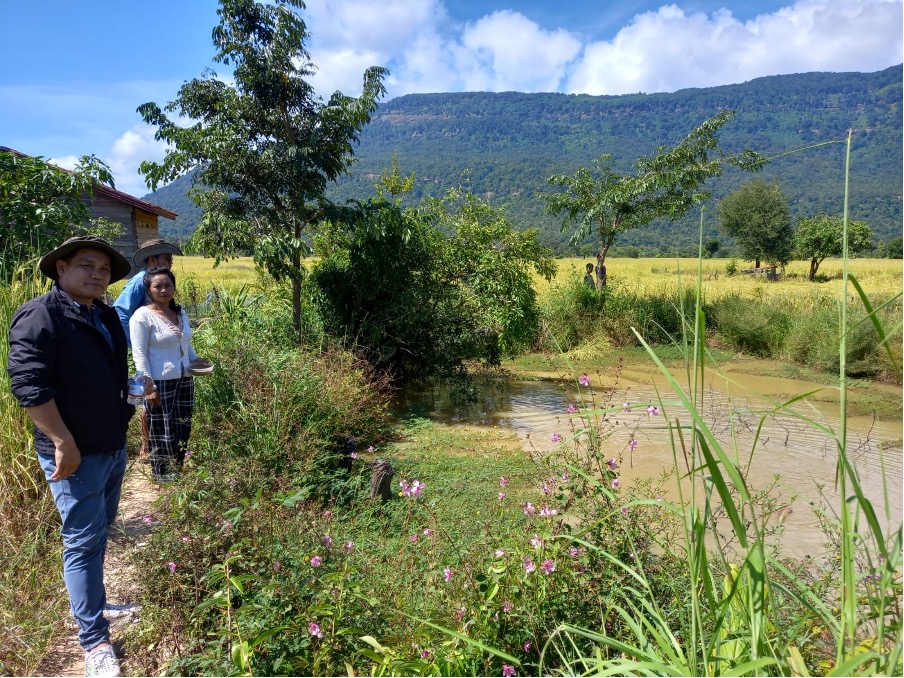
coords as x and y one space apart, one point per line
162 350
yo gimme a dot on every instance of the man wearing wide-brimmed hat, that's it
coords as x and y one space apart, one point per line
68 368
152 254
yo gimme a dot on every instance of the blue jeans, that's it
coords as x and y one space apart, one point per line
87 501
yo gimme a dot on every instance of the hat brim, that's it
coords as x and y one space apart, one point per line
141 255
119 265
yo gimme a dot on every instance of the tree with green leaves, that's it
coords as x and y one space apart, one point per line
823 236
891 249
420 290
262 150
41 205
756 216
666 184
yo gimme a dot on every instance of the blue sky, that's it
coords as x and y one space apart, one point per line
73 73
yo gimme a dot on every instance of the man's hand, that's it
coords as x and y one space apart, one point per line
68 459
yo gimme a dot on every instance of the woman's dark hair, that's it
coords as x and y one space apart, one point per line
158 270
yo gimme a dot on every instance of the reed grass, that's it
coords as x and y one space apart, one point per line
31 590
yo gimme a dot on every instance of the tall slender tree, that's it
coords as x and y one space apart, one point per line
264 148
756 216
666 184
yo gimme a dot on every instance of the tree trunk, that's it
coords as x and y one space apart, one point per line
601 268
296 286
814 266
756 264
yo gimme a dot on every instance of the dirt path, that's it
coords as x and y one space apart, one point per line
138 496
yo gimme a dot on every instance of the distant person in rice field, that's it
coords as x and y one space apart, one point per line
588 277
68 368
155 253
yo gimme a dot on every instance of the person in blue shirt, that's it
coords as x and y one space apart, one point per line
152 254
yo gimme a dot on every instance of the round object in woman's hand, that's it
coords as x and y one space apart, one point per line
200 367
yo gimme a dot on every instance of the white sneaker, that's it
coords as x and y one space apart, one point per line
112 611
102 661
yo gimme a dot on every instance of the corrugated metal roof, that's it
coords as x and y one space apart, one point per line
113 193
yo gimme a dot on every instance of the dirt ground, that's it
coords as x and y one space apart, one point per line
138 497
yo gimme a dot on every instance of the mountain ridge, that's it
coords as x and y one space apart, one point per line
505 144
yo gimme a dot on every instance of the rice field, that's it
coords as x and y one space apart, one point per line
651 277
881 278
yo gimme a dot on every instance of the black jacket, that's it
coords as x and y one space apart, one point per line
56 352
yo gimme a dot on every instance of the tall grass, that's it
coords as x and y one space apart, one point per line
761 617
31 593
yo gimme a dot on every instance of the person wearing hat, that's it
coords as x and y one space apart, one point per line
68 368
152 254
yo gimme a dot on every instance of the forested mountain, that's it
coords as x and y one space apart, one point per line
505 145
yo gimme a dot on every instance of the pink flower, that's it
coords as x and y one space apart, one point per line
529 566
547 488
412 538
615 484
354 455
501 496
186 539
424 654
548 567
189 454
565 476
411 490
428 532
460 613
508 670
499 553
316 561
526 646
327 540
625 510
632 445
328 514
571 409
148 520
502 481
548 512
584 380
507 606
573 552
658 497
370 449
277 565
612 464
447 573
626 407
172 567
529 509
314 630
653 411
536 542
556 438
349 546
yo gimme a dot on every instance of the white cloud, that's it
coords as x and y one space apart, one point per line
508 51
669 50
128 151
66 162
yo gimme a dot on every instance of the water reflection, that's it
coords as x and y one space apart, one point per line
794 449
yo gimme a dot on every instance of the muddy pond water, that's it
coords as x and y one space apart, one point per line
797 451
